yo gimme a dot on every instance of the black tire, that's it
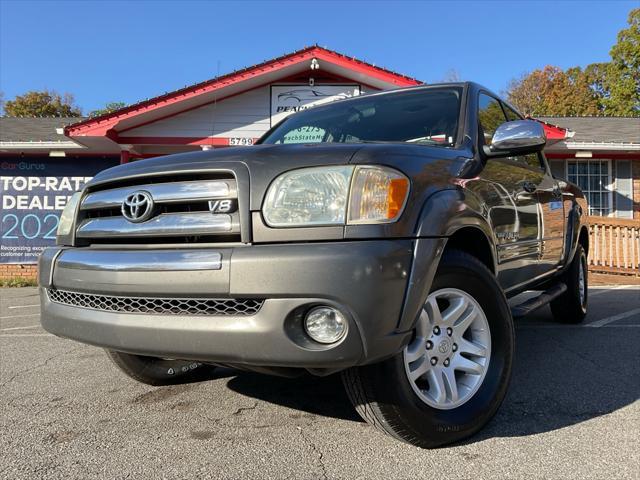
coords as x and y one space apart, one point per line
157 371
570 307
382 393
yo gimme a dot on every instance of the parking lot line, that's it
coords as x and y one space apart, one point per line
600 290
18 328
22 296
605 321
24 306
20 316
6 335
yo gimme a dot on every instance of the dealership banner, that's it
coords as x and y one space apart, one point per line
33 193
289 99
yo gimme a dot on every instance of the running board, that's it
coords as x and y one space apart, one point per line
541 300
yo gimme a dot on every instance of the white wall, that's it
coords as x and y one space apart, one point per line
243 116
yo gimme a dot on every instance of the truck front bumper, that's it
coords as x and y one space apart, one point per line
365 280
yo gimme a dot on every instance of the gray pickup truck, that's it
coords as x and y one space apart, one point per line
378 236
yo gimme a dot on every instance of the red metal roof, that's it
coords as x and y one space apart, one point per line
100 126
553 132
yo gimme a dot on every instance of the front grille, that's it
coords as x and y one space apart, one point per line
179 211
158 305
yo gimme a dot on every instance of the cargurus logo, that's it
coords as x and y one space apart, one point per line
21 166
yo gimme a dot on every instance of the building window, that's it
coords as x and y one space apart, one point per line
594 179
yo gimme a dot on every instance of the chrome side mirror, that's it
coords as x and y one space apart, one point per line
518 137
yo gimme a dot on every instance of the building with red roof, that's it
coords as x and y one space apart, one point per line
44 160
233 109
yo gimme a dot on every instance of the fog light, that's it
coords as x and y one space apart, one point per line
325 324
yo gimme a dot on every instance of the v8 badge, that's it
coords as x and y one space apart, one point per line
223 206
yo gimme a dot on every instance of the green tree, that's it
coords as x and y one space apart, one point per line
611 88
623 72
552 91
45 103
596 77
108 108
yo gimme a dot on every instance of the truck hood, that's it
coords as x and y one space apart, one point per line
263 163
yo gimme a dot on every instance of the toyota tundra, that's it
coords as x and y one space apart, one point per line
379 236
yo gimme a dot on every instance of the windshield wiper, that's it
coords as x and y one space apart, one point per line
417 141
427 139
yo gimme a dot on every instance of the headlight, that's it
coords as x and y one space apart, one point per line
309 196
336 195
68 214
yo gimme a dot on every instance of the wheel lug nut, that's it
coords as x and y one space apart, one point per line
446 362
449 331
429 344
436 330
434 360
454 347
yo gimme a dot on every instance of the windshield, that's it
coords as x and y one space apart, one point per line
423 116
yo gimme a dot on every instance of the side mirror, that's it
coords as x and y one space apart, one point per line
516 138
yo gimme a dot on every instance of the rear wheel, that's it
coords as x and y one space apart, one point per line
571 306
452 377
159 371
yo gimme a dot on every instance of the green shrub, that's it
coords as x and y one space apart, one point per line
18 282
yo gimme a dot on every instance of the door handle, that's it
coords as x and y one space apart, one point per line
529 187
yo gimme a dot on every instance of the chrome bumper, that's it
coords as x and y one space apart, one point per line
137 272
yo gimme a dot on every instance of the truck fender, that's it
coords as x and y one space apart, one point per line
442 214
575 223
447 211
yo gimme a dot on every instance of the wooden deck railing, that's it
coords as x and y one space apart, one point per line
614 245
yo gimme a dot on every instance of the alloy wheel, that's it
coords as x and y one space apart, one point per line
448 359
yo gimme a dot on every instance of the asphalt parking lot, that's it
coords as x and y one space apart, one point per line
572 412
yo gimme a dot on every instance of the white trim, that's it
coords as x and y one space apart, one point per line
40 145
599 146
611 187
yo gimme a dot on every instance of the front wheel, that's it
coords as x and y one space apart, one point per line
159 371
451 378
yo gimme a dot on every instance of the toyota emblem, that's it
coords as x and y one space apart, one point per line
138 206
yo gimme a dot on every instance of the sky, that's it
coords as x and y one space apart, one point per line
110 51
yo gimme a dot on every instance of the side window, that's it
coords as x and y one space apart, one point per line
512 115
533 160
490 116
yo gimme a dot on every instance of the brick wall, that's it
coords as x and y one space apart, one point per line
18 271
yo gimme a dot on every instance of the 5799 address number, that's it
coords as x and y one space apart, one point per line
240 141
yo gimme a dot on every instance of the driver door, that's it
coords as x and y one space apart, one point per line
552 217
509 191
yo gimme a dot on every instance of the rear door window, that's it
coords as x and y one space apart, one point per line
532 160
